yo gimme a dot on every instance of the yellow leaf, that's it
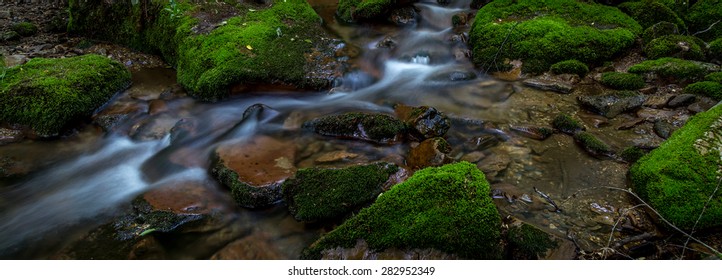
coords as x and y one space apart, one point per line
249 47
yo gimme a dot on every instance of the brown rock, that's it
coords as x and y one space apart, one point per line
494 163
157 106
430 152
253 247
335 156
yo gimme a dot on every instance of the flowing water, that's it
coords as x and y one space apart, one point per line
81 181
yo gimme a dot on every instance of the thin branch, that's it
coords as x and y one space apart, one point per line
501 47
709 199
619 220
708 28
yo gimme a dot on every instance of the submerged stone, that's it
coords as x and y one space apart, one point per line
424 122
378 128
593 145
612 105
51 95
254 170
567 124
430 152
446 208
317 194
533 132
678 178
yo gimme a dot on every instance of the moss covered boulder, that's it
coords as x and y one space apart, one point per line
541 33
218 48
317 194
571 66
377 128
674 69
715 50
50 95
705 88
255 169
702 16
446 208
650 12
686 47
679 177
622 81
363 10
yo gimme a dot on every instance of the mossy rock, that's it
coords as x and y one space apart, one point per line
702 15
678 178
705 88
251 46
593 145
447 208
660 29
567 124
363 10
377 128
317 194
25 28
650 12
676 69
50 95
715 50
571 66
686 47
528 242
632 154
541 33
622 81
714 77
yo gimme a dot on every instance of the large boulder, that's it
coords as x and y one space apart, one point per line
446 208
50 95
217 48
541 33
679 177
317 194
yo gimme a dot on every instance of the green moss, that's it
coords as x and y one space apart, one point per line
541 33
373 127
360 10
592 144
50 94
678 178
706 88
567 124
702 15
25 28
650 12
679 46
244 194
715 49
622 81
447 208
528 242
571 66
660 29
317 194
674 68
632 154
714 77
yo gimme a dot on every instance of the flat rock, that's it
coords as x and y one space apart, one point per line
494 163
550 85
335 156
681 100
613 104
430 152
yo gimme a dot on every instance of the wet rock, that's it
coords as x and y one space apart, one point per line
15 59
11 167
473 157
9 36
653 115
387 42
681 100
430 152
549 85
613 104
663 129
157 106
533 132
425 122
657 101
460 19
701 106
255 169
593 119
249 248
152 129
403 16
377 128
317 194
335 156
630 124
417 214
8 136
480 143
494 163
593 145
567 124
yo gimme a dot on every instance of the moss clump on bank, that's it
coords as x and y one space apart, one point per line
365 126
571 66
660 29
678 178
360 10
25 28
715 50
705 88
679 46
567 124
541 33
714 77
622 81
702 15
674 68
447 208
650 12
317 194
49 95
528 242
